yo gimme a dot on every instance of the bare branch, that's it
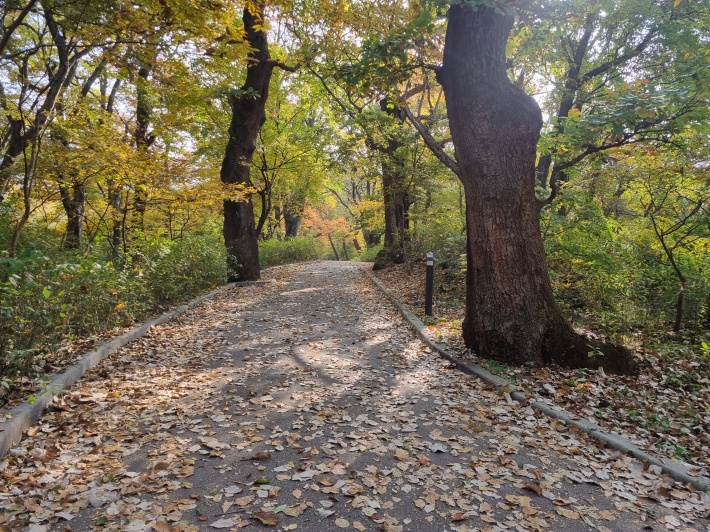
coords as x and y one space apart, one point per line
436 148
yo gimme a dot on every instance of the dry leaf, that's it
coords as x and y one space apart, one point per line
534 486
224 523
266 518
260 456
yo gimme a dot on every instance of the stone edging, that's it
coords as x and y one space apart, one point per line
671 467
266 282
25 415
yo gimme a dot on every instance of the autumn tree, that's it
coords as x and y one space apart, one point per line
248 115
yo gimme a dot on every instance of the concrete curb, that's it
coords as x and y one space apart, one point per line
675 469
266 282
25 415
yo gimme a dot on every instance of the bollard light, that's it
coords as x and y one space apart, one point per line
429 284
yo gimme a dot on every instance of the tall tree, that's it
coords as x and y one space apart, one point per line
248 103
511 313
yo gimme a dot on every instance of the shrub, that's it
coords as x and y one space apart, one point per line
47 301
368 254
177 269
298 249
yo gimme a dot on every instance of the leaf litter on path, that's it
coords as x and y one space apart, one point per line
664 409
337 418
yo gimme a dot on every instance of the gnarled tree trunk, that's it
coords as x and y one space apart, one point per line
511 314
240 236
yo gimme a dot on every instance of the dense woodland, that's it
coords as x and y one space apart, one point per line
553 154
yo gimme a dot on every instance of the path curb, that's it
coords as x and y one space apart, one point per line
675 469
266 282
25 415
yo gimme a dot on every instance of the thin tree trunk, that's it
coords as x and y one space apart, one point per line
143 140
119 210
679 308
265 210
27 182
332 246
511 314
345 250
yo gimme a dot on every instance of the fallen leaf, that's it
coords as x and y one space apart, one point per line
223 523
265 518
260 456
534 486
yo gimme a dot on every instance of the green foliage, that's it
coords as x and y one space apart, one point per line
440 230
176 269
368 254
48 300
299 249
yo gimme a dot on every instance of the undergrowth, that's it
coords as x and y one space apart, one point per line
48 301
297 249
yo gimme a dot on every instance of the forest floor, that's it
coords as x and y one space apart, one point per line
310 405
664 408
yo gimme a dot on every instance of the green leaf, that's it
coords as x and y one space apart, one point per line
46 293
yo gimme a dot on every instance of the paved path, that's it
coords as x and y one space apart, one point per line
309 405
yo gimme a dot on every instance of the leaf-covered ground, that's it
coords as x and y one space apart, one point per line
664 408
309 405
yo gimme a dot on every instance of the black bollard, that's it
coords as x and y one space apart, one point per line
429 284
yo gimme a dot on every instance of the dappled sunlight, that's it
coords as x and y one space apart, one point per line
244 410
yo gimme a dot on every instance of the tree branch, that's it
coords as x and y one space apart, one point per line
335 193
15 24
284 66
431 143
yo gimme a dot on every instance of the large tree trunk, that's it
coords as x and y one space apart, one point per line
240 236
511 314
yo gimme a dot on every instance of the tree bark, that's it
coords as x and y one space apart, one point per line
73 198
292 221
511 314
395 189
332 246
248 115
143 140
